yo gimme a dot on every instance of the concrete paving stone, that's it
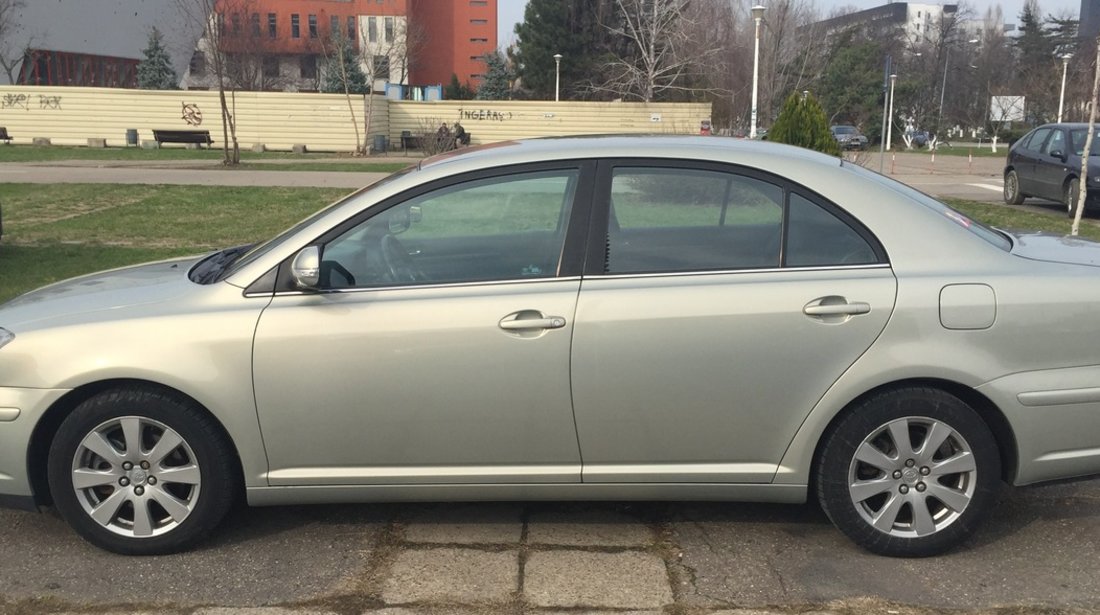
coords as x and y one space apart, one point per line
452 575
466 524
591 528
263 610
600 580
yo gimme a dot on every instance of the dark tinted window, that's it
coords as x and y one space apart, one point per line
816 237
1037 138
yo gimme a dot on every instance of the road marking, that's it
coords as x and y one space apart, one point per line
988 187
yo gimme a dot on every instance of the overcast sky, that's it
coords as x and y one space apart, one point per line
510 12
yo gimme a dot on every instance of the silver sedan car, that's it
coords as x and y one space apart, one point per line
688 318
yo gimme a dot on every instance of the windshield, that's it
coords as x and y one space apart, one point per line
988 234
263 248
844 130
1078 137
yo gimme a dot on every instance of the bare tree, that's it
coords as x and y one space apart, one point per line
210 15
10 55
656 59
1082 193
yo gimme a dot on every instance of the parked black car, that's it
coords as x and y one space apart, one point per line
1046 163
848 137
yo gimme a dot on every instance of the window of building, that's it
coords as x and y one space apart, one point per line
479 3
334 25
236 19
389 29
372 29
308 67
480 22
351 28
295 26
255 24
381 67
271 66
312 26
272 25
198 64
479 40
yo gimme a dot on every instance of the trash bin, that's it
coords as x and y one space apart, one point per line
379 144
131 136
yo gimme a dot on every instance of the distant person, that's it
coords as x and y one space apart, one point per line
462 138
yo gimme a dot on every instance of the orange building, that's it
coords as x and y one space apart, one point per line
412 42
457 33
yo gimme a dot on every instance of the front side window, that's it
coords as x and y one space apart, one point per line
1056 144
503 228
1037 138
681 220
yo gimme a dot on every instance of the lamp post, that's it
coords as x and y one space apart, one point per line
943 86
557 77
757 16
1062 96
890 112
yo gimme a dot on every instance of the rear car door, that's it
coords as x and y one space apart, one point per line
718 305
1025 158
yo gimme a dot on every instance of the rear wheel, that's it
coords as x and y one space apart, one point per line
139 472
1013 196
1070 196
909 473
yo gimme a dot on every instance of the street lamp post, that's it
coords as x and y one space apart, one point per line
1062 96
557 77
757 16
890 125
943 86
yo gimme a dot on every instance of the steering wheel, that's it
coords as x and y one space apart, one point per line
399 264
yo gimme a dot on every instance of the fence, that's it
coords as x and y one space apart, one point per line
321 122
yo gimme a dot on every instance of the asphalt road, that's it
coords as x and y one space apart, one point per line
1038 553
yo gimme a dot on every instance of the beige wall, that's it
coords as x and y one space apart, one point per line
70 116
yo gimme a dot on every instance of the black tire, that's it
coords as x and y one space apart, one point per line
1012 193
156 417
845 482
1070 193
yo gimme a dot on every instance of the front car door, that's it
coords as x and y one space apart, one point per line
437 350
717 308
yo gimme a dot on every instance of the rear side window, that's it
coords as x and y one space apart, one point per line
682 219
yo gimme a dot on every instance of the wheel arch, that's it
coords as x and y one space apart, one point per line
992 415
47 426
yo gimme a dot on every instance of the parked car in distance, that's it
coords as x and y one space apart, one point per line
680 318
1046 163
920 138
848 137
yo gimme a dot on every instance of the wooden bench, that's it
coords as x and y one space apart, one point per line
183 136
408 141
4 136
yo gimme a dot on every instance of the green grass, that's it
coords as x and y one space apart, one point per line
350 167
1010 218
59 231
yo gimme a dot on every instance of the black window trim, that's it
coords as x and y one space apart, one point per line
595 254
570 260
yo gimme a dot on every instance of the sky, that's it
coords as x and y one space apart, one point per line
510 12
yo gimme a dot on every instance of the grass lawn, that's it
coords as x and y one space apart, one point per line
286 160
53 232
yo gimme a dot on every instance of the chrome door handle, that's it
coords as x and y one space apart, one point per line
819 308
511 322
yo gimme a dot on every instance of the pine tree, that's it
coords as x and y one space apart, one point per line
457 91
343 65
496 85
802 122
155 72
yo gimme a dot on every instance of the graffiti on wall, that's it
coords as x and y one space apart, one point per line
23 101
483 115
192 114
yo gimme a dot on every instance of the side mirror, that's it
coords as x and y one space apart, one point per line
306 268
1059 154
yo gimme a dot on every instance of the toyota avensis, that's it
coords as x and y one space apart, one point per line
689 318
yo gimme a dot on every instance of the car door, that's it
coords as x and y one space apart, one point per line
1025 158
1050 165
437 350
715 311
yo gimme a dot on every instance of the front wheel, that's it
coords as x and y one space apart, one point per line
140 472
909 473
1071 195
1013 196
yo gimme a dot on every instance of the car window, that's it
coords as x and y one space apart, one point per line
1056 143
816 237
667 220
1078 139
501 228
1035 142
